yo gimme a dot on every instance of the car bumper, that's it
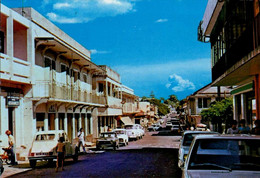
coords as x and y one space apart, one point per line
43 157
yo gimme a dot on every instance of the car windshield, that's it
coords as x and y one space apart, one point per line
129 127
232 154
106 135
45 137
120 132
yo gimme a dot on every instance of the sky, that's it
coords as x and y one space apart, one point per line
152 44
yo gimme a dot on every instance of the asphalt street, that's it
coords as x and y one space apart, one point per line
152 156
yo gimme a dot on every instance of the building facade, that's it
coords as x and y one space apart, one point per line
233 29
48 82
201 99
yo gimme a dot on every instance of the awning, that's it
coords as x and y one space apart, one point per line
126 120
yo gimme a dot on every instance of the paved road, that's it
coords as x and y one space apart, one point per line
152 156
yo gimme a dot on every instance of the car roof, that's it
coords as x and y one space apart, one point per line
198 131
108 132
50 131
228 136
118 129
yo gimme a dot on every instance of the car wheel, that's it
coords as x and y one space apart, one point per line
32 163
50 161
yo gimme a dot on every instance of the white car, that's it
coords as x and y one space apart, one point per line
132 132
140 129
184 146
44 147
122 135
154 127
222 156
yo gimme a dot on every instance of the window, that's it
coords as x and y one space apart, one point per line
204 102
76 75
64 68
48 62
100 87
85 78
2 42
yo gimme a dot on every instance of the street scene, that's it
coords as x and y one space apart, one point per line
130 88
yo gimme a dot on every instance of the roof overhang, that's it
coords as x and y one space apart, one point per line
68 52
242 72
210 16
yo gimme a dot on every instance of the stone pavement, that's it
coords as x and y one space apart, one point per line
12 170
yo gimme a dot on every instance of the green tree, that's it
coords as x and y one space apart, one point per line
219 112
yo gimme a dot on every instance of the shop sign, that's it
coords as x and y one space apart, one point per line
13 101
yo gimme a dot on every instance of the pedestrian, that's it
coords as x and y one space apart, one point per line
243 129
233 129
60 148
256 129
81 140
11 146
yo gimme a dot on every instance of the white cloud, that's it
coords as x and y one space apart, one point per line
82 11
178 84
161 20
94 51
56 18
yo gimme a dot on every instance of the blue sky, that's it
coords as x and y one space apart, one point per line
152 44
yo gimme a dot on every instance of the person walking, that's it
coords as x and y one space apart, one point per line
60 148
11 146
81 140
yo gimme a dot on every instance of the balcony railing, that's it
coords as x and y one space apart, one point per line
129 108
239 49
14 69
114 102
51 84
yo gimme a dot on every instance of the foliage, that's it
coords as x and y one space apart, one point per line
219 112
162 104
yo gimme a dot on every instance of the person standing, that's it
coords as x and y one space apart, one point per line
11 146
256 129
60 148
81 139
233 129
243 129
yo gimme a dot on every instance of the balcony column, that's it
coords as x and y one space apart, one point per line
66 123
106 88
80 121
34 129
196 106
86 124
73 126
234 108
56 121
257 95
10 40
46 121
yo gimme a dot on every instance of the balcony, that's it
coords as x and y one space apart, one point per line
15 70
114 102
51 84
239 49
129 108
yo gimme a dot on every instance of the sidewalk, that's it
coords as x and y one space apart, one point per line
22 166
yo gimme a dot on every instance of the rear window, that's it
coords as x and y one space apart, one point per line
45 137
233 154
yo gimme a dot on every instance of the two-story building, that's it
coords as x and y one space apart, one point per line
233 29
201 99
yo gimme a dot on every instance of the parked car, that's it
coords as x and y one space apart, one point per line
132 132
185 143
201 127
154 127
108 140
223 156
44 147
122 135
140 129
